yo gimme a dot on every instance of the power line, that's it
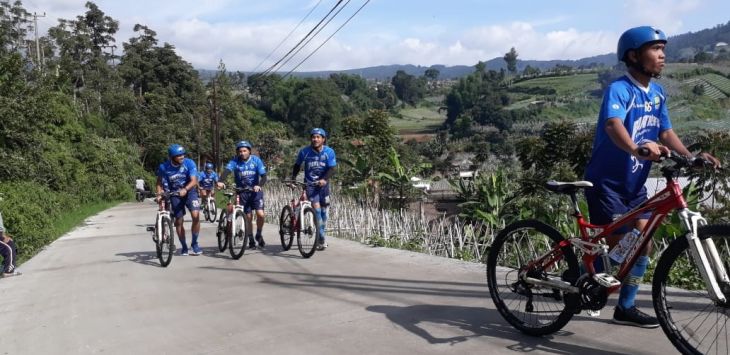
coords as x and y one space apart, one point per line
328 38
303 39
315 35
288 35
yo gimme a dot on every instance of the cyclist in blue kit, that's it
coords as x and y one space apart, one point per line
207 180
249 171
633 115
319 166
180 174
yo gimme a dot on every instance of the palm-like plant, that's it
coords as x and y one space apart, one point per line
398 177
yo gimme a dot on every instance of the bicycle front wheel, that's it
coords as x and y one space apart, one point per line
239 236
533 309
213 211
286 230
693 322
166 242
220 233
308 233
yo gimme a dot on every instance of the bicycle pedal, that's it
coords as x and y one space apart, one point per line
151 229
606 280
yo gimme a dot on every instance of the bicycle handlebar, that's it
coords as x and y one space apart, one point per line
299 183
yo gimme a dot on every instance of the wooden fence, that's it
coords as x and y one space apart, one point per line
348 218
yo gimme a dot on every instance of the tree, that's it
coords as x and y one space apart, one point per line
408 88
511 59
431 73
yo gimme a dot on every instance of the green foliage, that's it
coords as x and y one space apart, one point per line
408 88
397 179
485 196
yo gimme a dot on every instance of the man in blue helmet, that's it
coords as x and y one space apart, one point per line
319 166
633 115
207 180
249 172
180 174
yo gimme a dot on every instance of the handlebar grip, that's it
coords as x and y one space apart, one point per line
643 152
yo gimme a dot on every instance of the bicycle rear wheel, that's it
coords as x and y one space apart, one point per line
308 233
239 236
286 230
693 322
166 244
220 233
533 309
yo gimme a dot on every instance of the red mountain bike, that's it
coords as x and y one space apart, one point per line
537 285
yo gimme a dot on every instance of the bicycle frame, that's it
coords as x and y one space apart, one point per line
163 210
232 208
301 204
591 242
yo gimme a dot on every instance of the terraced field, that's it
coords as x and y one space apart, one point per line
569 85
710 90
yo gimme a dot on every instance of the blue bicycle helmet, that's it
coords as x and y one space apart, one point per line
636 37
175 150
243 144
209 166
319 131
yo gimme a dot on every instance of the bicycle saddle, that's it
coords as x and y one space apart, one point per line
567 187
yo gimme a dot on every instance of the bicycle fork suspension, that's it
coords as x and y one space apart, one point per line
706 256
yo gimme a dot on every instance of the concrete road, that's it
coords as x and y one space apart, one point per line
100 289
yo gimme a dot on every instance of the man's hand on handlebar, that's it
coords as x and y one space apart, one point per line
650 151
710 159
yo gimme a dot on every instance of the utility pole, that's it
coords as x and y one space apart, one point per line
37 44
215 125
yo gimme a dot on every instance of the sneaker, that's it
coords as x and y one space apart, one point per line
322 246
593 313
15 272
184 251
260 240
196 250
633 316
251 243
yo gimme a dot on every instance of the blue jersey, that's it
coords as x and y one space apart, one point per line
175 178
644 115
316 164
207 181
247 172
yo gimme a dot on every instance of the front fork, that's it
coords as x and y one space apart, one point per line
705 255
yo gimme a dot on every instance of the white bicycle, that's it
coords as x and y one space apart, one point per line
163 232
209 208
299 216
237 236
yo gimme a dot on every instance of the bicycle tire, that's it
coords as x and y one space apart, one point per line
213 211
206 212
220 233
286 230
308 233
681 301
542 313
238 236
166 245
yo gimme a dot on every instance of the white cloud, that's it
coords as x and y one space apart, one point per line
202 41
664 14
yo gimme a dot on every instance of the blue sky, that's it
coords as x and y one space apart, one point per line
425 32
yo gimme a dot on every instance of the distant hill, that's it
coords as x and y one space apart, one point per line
685 46
384 72
680 48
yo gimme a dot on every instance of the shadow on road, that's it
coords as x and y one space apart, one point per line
477 322
148 257
365 283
